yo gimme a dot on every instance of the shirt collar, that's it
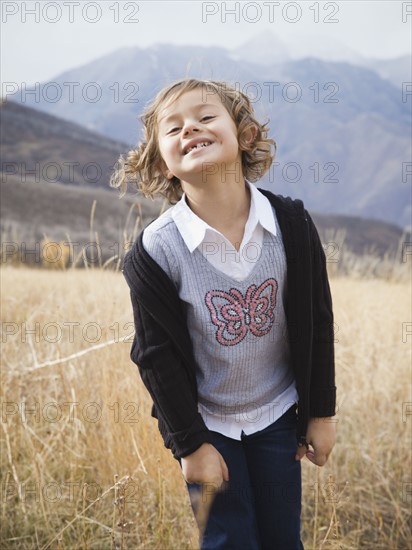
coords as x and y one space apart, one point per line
193 229
262 209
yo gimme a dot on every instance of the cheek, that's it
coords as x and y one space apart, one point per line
164 151
164 158
168 149
234 141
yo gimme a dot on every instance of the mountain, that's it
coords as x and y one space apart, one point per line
397 70
264 49
343 132
37 147
267 48
31 210
108 94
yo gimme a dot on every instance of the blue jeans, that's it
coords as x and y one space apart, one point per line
260 507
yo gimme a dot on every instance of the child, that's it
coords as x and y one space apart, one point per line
233 316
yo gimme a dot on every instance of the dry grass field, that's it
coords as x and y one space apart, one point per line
83 465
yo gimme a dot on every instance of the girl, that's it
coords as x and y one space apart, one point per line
233 317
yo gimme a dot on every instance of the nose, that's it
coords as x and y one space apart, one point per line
189 127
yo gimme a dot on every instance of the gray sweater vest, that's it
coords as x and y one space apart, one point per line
238 329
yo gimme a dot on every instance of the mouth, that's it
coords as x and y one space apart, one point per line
200 145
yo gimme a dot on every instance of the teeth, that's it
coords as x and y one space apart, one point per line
203 144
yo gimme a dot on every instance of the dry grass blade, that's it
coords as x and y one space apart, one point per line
12 466
79 515
78 354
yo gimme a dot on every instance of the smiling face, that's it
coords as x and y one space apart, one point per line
195 131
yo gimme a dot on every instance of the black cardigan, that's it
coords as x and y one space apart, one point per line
162 348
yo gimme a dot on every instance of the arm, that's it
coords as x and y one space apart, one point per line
164 376
321 428
158 350
167 381
322 389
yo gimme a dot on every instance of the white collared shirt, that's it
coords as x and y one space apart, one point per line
215 247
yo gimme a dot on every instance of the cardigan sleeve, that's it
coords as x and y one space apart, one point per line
166 378
322 387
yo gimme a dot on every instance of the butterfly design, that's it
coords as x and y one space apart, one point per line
235 315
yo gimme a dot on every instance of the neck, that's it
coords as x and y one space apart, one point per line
223 206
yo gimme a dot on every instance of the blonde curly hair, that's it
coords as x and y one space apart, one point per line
142 166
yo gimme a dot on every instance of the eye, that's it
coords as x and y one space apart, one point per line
207 117
172 130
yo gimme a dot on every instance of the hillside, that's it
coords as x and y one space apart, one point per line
61 210
31 211
42 147
35 148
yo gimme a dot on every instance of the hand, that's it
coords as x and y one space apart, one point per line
205 465
322 436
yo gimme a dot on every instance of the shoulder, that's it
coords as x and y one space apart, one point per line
293 212
159 239
159 225
285 205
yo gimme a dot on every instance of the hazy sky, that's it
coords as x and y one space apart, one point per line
64 34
